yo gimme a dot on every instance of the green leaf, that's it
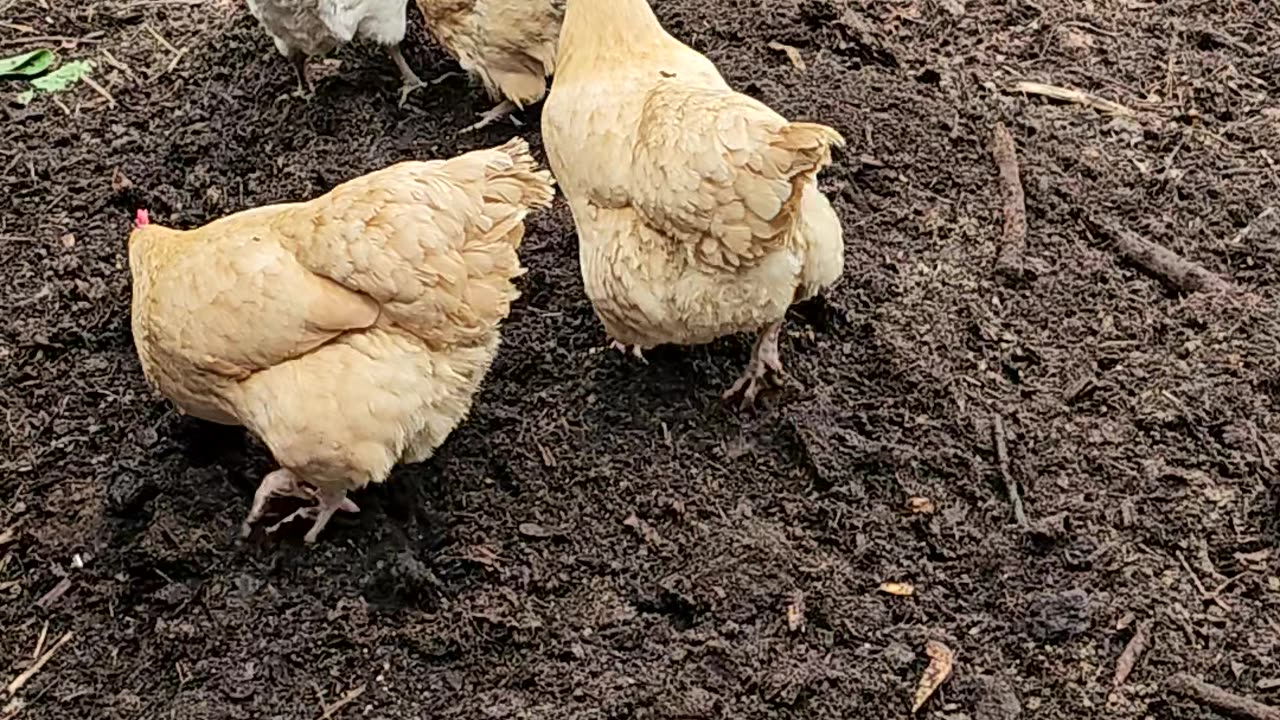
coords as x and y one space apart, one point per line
27 64
25 97
64 77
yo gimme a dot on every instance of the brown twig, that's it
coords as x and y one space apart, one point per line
342 702
1011 485
1221 700
160 39
106 94
46 38
1168 266
56 592
1009 261
30 672
1132 651
1073 96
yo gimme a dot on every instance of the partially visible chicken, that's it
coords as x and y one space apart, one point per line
349 333
305 28
697 208
509 44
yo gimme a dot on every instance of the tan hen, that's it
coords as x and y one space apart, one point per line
510 45
697 208
349 333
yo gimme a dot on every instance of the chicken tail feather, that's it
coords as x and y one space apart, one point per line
811 143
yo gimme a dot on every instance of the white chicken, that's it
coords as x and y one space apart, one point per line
697 207
308 28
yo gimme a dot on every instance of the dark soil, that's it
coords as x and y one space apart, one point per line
607 540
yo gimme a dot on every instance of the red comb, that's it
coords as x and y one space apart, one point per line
142 218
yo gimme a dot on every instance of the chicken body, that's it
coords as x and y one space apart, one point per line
349 333
697 208
307 28
510 45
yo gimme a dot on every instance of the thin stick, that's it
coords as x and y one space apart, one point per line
169 46
44 635
56 592
112 61
46 38
1219 699
1009 261
1132 651
111 101
30 672
1011 486
1073 96
342 702
1168 266
176 59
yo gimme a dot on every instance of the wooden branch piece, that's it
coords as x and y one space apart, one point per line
1014 242
330 711
1132 651
1170 267
30 672
1221 700
1011 485
1073 96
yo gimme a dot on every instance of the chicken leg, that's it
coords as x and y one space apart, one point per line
765 361
284 483
299 63
408 78
499 111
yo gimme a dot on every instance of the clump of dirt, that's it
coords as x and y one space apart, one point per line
1139 423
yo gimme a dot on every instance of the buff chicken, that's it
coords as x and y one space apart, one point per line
348 333
509 45
308 28
697 208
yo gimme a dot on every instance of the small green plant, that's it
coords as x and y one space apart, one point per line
35 70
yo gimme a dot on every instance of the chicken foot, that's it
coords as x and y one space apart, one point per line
329 503
765 363
284 483
499 111
408 77
636 351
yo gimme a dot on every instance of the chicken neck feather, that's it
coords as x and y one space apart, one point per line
597 29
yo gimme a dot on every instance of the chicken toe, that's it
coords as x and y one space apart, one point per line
501 110
281 483
408 78
636 351
765 365
302 513
330 502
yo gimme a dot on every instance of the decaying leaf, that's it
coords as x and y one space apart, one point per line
921 506
901 589
119 181
646 531
941 662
